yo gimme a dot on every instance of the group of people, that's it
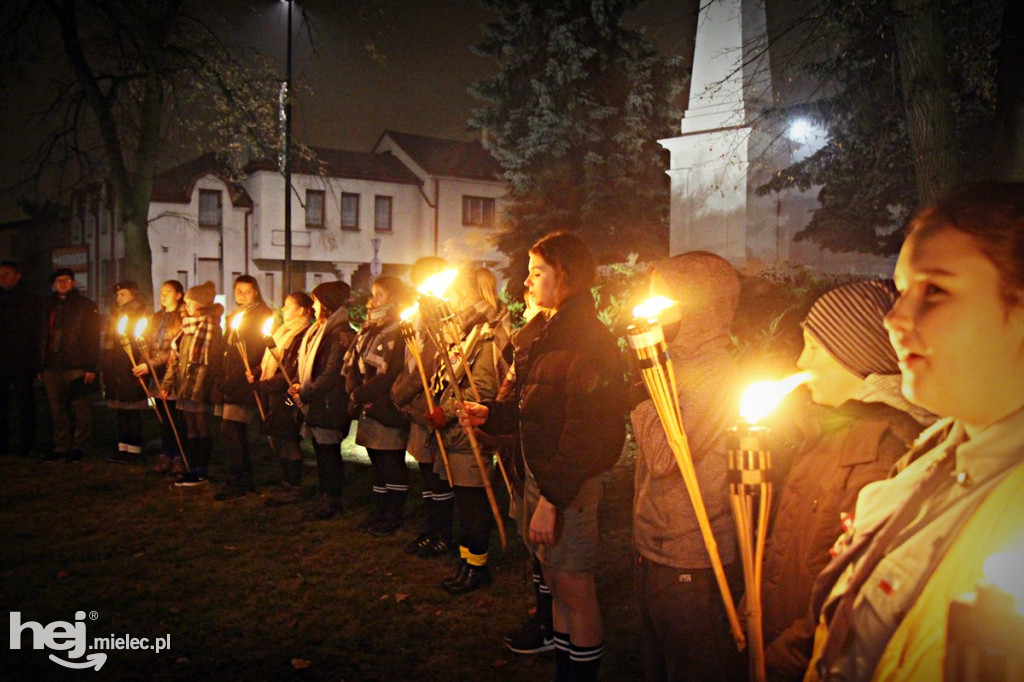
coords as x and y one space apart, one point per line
903 464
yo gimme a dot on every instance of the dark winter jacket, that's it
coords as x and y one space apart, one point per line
843 449
119 383
21 328
72 334
234 386
189 378
569 404
163 327
283 419
324 398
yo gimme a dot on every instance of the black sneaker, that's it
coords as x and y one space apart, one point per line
422 540
191 479
434 547
532 638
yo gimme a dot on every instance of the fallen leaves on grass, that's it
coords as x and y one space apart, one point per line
300 663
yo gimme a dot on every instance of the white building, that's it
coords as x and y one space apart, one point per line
409 197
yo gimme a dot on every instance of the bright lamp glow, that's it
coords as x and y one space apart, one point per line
237 322
438 283
140 327
122 325
408 313
761 399
268 326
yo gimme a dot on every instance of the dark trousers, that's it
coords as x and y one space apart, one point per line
683 624
236 448
475 518
168 443
25 398
330 467
129 431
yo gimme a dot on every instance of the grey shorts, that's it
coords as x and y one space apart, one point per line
576 547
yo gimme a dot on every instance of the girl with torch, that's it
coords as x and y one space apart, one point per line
126 392
194 361
686 539
277 369
244 352
372 365
567 413
319 390
163 327
478 362
921 538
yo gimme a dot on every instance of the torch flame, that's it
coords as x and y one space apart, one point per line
652 307
408 313
140 327
268 325
761 398
237 321
438 283
122 324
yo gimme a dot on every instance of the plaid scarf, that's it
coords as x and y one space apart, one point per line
202 328
483 324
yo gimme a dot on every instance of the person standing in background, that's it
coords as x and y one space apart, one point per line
125 392
71 363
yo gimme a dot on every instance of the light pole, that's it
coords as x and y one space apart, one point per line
286 284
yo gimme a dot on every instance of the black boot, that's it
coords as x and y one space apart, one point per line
394 511
473 578
459 574
376 513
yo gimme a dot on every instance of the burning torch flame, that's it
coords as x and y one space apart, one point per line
122 324
408 313
268 325
237 322
140 327
761 398
438 283
652 307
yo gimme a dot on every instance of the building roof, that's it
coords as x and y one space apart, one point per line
174 186
447 158
339 163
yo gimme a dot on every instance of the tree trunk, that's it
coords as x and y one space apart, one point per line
927 97
1008 141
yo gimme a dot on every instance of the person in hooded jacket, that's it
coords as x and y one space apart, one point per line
124 390
320 392
238 400
859 426
283 425
195 359
684 626
372 365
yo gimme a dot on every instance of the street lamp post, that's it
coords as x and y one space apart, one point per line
286 284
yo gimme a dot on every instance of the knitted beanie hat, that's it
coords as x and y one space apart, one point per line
126 284
847 322
332 295
203 294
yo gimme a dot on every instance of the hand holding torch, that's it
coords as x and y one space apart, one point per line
140 341
647 340
409 334
126 344
240 345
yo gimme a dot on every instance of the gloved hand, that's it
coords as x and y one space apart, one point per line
436 418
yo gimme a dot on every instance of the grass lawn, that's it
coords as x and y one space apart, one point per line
247 592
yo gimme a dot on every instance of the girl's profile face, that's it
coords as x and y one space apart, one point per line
544 283
379 296
830 384
292 310
961 349
318 308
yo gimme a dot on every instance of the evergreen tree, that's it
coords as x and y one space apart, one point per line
910 105
573 116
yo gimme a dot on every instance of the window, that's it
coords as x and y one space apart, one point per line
477 211
314 208
382 214
349 211
209 208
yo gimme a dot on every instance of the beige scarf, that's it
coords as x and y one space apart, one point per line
282 336
307 351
